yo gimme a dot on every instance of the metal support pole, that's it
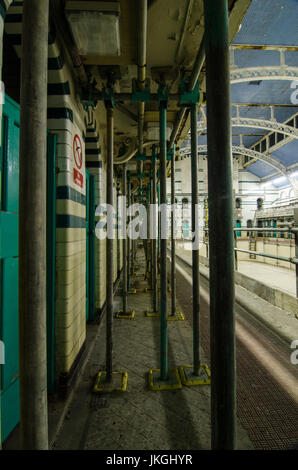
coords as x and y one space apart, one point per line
236 255
128 239
32 227
110 246
296 256
173 241
118 239
158 244
163 246
152 201
195 249
124 241
155 241
296 247
132 246
222 294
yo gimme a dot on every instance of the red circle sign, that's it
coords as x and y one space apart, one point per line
77 151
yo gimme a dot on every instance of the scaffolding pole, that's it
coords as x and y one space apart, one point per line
163 245
173 242
32 227
220 198
110 246
195 248
124 241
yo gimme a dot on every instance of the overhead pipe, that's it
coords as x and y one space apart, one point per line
131 153
32 228
221 242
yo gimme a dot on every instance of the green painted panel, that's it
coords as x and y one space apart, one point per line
9 239
9 329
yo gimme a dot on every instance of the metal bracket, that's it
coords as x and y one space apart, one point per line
163 95
137 95
170 154
141 156
88 99
187 97
107 94
154 154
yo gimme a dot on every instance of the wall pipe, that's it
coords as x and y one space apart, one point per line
110 247
221 242
32 227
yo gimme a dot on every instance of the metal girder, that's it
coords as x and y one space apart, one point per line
283 72
269 125
239 150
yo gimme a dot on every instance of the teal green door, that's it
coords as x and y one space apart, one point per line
90 247
9 252
9 204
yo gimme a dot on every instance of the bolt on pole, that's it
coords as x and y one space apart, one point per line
221 242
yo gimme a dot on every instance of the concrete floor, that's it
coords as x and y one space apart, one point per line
140 418
274 276
277 277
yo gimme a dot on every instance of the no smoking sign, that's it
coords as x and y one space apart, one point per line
78 159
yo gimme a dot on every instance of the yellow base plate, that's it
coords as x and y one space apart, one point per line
187 377
132 291
152 314
177 317
129 315
173 382
102 386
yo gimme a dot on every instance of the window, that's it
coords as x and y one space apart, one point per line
238 203
260 203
